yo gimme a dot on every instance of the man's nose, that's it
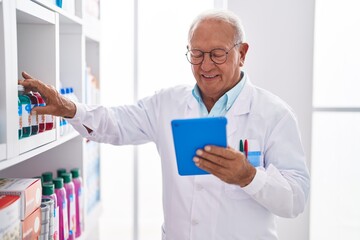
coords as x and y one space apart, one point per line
207 63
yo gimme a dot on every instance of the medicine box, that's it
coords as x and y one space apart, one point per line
31 226
9 217
28 189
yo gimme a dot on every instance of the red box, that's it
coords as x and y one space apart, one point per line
31 226
28 189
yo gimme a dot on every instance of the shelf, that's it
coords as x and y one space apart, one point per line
2 150
65 17
11 162
30 12
33 142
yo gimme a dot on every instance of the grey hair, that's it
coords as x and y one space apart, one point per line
220 15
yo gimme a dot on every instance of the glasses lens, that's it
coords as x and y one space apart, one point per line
218 55
195 56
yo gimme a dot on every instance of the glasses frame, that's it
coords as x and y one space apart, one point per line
210 54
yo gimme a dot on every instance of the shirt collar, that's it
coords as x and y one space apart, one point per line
229 97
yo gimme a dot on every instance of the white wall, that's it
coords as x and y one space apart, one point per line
280 59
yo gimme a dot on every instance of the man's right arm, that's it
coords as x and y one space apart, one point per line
56 104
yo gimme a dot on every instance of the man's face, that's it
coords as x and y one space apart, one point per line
216 79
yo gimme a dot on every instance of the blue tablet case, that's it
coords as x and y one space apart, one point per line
192 134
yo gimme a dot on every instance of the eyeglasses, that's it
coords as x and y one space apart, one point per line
217 55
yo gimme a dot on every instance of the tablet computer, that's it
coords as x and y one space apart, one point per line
192 134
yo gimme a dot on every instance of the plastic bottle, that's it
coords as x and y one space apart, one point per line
63 122
41 117
47 177
48 191
63 208
74 97
77 180
46 121
20 119
34 116
49 121
26 108
70 194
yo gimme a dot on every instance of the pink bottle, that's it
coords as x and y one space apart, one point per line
77 180
48 192
70 193
63 209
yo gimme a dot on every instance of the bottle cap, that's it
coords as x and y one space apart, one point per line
75 172
21 88
60 171
58 182
47 176
67 177
48 189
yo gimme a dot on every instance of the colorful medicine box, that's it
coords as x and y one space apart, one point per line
31 226
28 189
9 217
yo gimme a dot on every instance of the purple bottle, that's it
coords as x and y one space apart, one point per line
48 192
70 193
62 204
77 180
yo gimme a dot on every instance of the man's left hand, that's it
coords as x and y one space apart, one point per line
229 165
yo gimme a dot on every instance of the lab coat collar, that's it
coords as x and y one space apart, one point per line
242 103
241 106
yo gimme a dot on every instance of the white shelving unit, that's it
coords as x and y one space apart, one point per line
2 86
56 47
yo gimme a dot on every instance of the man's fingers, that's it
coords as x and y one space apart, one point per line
26 75
227 153
41 110
220 161
209 166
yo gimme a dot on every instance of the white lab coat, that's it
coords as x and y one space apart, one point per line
204 207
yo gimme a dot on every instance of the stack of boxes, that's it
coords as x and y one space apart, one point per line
28 192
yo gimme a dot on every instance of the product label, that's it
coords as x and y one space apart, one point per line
20 110
20 116
81 209
26 108
41 117
65 219
34 116
56 224
72 224
49 118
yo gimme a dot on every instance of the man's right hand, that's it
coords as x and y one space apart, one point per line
56 104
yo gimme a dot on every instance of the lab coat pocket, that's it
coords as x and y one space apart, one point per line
235 192
255 158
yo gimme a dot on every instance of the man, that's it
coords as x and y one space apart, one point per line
238 200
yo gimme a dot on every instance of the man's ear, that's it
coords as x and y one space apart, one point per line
243 50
